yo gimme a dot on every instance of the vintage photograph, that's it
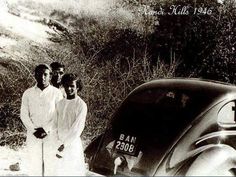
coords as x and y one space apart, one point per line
118 88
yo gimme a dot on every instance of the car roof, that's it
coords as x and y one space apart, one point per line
191 84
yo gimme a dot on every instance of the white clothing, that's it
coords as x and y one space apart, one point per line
37 110
70 122
63 91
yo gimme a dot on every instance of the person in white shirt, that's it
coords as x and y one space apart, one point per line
70 121
37 108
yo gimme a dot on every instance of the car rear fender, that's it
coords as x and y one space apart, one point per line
91 149
217 160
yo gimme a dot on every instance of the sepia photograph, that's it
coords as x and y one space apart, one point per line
118 88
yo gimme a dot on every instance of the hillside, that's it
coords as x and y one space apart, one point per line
20 31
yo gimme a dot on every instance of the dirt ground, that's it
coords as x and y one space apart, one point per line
9 157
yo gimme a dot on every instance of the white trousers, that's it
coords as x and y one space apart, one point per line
72 163
40 156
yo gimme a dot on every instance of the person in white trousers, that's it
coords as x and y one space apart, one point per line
70 121
37 108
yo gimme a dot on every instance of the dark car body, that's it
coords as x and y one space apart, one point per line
170 127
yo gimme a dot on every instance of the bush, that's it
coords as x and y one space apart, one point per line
13 83
221 64
204 43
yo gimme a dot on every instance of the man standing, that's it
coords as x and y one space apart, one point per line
57 73
69 123
38 105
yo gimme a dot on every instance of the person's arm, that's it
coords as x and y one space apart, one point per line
59 96
54 120
55 123
49 125
25 114
78 126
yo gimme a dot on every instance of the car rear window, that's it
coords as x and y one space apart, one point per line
157 116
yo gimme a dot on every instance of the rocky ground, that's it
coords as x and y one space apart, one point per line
12 162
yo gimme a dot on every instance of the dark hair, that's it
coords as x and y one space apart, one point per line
41 67
56 65
70 77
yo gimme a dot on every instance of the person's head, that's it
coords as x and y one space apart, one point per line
57 73
71 84
42 74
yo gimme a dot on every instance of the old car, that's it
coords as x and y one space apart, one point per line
170 127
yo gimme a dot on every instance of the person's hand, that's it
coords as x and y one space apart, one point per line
60 149
58 156
40 133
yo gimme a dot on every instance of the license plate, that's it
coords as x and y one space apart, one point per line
127 144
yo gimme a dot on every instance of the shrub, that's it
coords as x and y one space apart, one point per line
13 83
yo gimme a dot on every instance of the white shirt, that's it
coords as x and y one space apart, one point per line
38 106
63 91
70 122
